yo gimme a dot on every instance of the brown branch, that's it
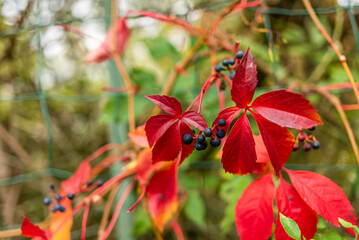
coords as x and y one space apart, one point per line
341 57
337 104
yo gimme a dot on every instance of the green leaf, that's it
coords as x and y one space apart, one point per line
328 235
290 227
230 191
348 225
194 209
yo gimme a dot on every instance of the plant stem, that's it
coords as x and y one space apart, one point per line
341 57
337 104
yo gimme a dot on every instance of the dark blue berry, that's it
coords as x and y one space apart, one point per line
312 128
198 146
58 197
215 142
218 68
57 207
225 62
47 201
220 133
187 139
99 183
70 196
201 138
231 61
52 186
231 75
194 131
89 183
222 122
239 54
208 132
62 209
315 144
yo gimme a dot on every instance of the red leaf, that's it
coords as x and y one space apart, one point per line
144 166
162 195
82 174
239 154
228 114
156 126
186 149
29 229
287 109
139 137
261 150
254 210
278 140
169 105
195 119
168 145
103 52
293 206
244 81
324 197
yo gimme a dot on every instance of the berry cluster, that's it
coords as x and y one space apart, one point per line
227 63
216 134
57 200
309 141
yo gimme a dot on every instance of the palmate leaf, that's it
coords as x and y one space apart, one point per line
239 155
228 114
244 81
287 109
324 197
165 131
291 205
254 210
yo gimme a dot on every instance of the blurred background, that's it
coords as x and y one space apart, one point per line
54 112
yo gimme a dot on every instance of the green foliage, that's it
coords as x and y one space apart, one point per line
290 227
194 209
349 225
230 191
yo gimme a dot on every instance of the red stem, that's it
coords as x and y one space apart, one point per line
177 229
144 188
84 221
119 205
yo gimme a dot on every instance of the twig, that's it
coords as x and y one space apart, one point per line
15 146
84 221
341 57
122 70
337 104
107 212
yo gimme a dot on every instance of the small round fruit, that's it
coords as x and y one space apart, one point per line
194 131
187 139
52 186
231 61
225 62
208 132
218 68
312 128
296 146
58 197
204 145
222 122
231 75
89 183
71 196
220 133
239 54
47 201
301 137
215 142
201 138
315 144
307 147
99 183
198 146
62 208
